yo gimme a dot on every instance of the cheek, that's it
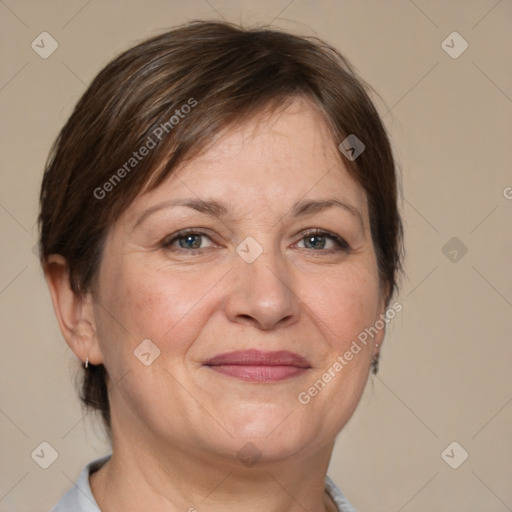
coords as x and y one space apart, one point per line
157 304
346 304
345 307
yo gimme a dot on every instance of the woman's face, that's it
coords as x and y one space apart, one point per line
277 260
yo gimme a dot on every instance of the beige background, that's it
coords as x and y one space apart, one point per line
447 360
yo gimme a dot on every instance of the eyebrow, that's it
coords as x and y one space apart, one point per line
309 206
217 209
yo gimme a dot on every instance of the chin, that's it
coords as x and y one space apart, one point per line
264 450
275 432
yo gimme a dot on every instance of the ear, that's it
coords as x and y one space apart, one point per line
74 312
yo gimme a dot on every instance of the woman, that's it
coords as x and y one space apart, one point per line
221 240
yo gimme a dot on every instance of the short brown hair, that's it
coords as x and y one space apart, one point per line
223 74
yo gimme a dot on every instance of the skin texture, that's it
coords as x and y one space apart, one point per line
177 424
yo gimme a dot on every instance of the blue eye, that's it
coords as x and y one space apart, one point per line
323 241
193 242
188 241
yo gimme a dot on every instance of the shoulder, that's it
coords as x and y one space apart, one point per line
338 497
80 498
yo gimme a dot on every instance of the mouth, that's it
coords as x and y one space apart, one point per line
259 366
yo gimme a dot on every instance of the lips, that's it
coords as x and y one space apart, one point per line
259 366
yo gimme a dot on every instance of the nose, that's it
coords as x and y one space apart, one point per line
261 293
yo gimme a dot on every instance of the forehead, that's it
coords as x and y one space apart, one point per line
270 160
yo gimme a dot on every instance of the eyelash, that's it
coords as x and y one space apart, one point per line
342 245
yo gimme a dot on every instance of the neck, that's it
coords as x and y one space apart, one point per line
138 477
